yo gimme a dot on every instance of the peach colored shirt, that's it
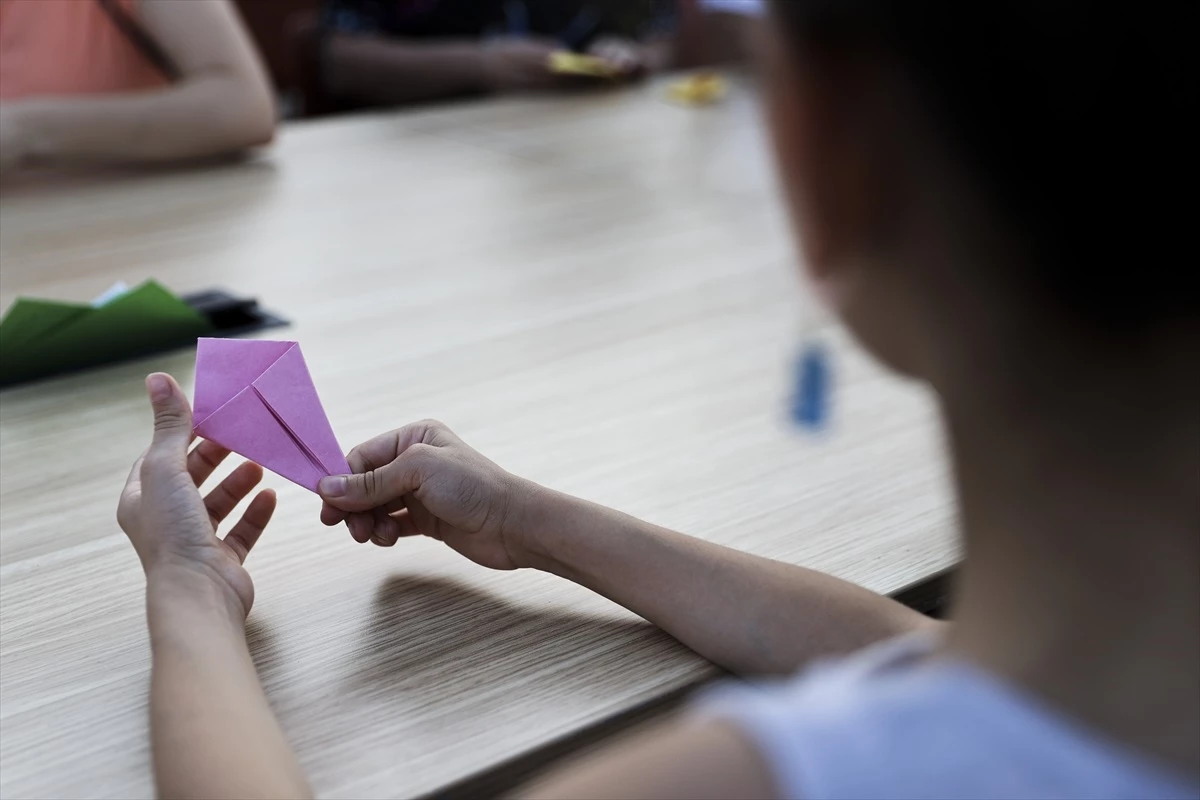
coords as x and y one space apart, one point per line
68 47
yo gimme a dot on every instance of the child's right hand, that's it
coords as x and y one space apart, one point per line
423 480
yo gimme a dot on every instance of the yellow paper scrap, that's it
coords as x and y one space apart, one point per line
567 63
698 90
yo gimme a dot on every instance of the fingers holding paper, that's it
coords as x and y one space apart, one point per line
422 479
367 464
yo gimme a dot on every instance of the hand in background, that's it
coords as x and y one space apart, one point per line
423 480
166 519
626 56
513 64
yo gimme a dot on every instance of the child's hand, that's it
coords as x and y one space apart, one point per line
423 480
519 64
162 512
626 57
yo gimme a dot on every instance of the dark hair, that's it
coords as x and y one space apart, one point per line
1070 116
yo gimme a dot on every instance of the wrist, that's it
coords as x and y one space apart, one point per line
535 525
195 588
521 527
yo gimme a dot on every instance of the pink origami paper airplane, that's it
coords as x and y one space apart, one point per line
257 399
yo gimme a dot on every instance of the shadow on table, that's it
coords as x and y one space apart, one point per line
263 644
431 631
258 171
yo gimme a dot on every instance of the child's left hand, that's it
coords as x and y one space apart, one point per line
168 522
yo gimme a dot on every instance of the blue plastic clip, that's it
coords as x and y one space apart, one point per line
810 406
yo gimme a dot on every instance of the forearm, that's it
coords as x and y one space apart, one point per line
213 733
389 71
745 613
202 117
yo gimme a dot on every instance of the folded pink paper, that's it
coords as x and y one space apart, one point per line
257 399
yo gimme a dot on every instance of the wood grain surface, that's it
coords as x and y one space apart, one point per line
598 292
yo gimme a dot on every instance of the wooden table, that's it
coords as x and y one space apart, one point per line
598 292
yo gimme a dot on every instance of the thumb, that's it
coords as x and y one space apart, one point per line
172 415
377 487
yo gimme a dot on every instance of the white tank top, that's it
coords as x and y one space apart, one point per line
886 723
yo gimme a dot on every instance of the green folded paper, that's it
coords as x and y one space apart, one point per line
39 338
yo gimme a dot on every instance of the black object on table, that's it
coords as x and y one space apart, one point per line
232 316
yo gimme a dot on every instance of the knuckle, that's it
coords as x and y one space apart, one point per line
170 419
357 459
415 466
369 483
431 429
441 435
416 463
420 453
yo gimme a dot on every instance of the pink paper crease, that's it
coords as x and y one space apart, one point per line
257 399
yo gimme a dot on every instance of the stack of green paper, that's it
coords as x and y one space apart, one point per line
39 338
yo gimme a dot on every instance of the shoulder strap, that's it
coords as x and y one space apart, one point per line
139 38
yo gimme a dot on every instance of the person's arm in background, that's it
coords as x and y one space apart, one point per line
213 735
745 613
382 70
221 102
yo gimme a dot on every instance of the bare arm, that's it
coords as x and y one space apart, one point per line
748 614
390 71
220 104
743 612
697 760
385 71
213 734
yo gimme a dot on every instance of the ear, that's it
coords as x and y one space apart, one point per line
814 113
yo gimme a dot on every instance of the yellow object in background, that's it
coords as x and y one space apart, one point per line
567 63
698 90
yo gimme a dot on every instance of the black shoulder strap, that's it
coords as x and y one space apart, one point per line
141 40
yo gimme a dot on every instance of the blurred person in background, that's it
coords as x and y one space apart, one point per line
390 52
970 205
127 81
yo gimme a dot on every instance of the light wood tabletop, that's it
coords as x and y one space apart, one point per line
598 292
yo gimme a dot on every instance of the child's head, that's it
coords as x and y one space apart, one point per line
996 182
